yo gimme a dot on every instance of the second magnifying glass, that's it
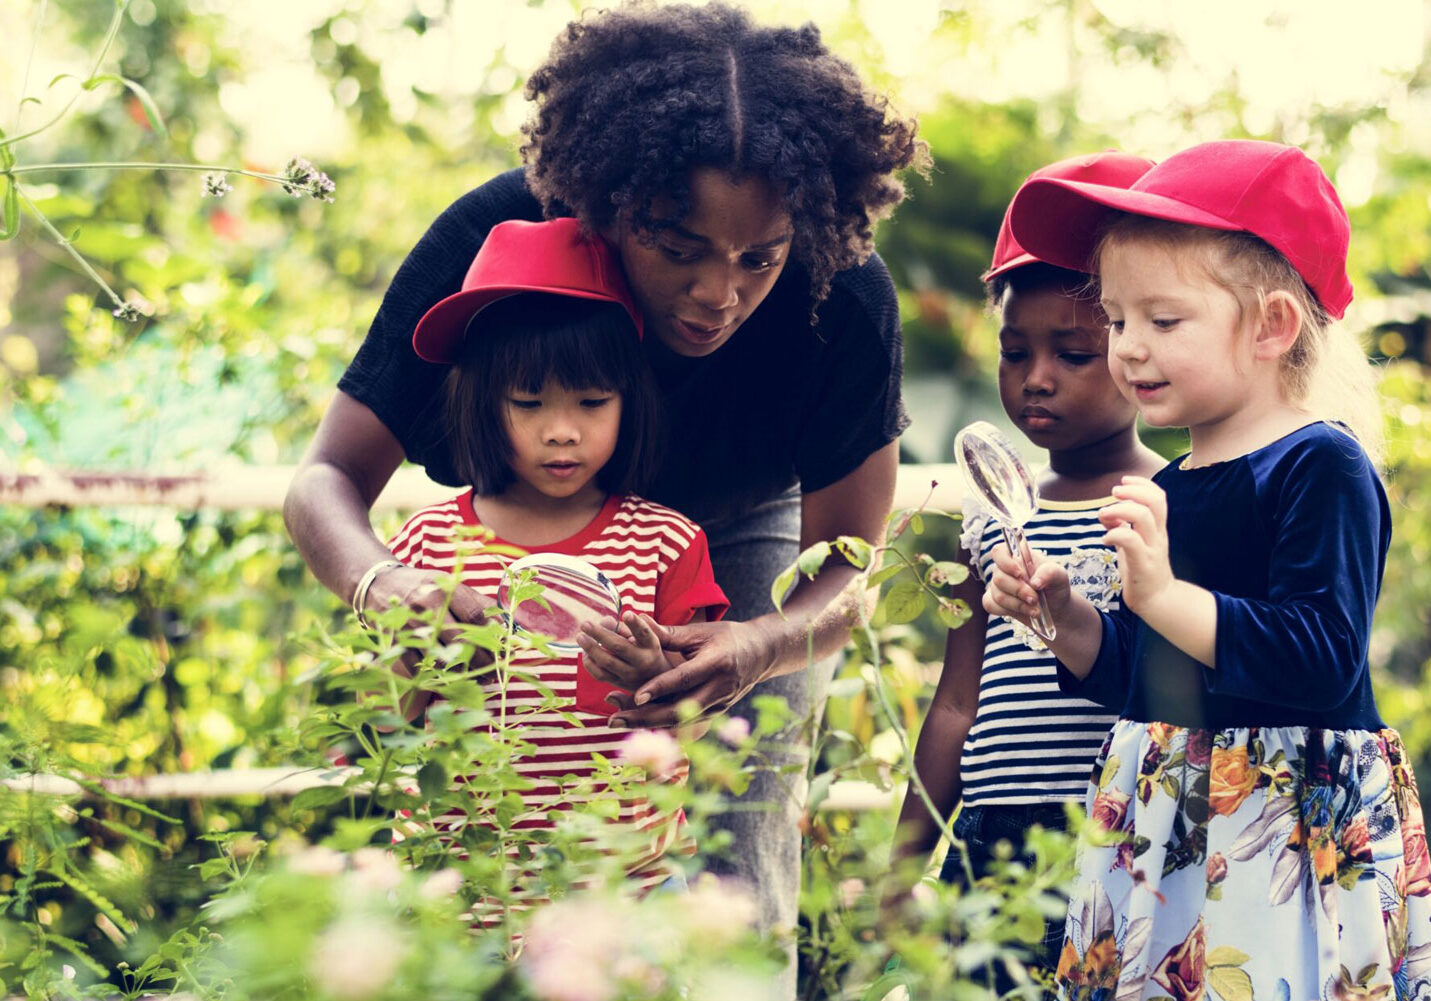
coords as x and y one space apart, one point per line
993 470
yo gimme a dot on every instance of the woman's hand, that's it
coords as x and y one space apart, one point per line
421 592
712 664
1137 523
1013 593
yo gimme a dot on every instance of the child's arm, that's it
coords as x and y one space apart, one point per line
1185 614
941 739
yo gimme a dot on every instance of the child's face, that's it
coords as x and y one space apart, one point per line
1053 370
561 438
1174 338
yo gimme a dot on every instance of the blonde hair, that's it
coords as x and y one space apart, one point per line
1326 371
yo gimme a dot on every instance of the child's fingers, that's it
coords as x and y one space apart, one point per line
1145 492
1125 539
1130 513
1007 562
642 631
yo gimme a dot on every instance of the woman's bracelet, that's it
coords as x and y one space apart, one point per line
365 582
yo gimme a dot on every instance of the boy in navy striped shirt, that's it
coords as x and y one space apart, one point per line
1000 740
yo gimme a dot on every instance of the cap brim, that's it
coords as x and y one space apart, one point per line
438 336
1061 222
1009 265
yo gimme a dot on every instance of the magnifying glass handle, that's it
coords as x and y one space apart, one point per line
1042 625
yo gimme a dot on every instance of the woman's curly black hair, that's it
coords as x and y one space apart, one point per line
631 100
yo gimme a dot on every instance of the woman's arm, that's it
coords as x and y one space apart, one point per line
724 660
352 456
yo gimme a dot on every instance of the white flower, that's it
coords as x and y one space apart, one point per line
216 185
317 860
356 957
302 178
654 750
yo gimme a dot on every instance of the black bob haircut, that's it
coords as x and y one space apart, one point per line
633 99
525 340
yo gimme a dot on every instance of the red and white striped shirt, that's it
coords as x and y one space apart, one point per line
659 562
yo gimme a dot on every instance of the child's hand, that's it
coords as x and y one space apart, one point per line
626 654
1137 524
1014 594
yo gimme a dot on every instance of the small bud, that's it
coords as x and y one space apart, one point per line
216 185
128 312
302 178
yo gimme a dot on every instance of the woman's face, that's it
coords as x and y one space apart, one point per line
703 276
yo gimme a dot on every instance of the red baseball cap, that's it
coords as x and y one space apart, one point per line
1115 169
520 256
1272 191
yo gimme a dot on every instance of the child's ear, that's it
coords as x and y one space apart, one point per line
1278 326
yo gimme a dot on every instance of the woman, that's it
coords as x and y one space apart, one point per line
738 170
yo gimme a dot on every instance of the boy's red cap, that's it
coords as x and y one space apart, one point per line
1267 189
519 256
1115 169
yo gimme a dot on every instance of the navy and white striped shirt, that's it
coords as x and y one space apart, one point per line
1030 743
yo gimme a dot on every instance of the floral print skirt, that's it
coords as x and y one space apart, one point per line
1273 863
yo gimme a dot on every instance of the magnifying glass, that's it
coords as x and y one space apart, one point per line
573 592
994 471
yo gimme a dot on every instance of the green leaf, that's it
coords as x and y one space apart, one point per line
905 601
812 559
885 573
856 550
7 155
783 584
1226 955
916 524
953 612
946 572
1230 983
10 212
151 110
819 791
432 779
318 797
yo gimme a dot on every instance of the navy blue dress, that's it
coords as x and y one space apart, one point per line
1256 828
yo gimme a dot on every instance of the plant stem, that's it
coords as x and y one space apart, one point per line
209 168
67 247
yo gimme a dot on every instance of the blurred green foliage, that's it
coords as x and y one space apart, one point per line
145 641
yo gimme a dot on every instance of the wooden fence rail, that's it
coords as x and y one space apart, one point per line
236 488
233 488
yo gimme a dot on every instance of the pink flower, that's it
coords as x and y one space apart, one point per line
442 883
734 730
850 891
1216 868
571 946
718 911
1182 969
356 957
1110 808
1199 747
654 750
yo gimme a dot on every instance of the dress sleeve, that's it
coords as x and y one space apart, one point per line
409 542
976 518
1305 645
1111 678
688 586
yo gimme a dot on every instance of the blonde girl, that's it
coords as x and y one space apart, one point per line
1257 830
